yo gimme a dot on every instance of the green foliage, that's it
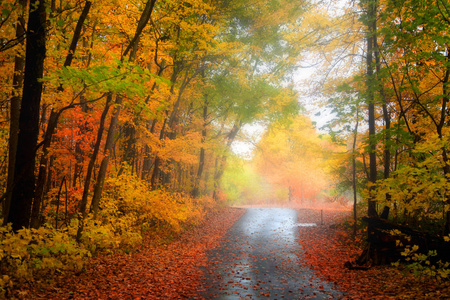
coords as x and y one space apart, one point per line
122 78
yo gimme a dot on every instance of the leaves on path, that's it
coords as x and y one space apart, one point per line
158 270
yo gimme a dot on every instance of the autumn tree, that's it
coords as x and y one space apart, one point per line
24 177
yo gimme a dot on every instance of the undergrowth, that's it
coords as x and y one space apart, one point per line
422 264
129 212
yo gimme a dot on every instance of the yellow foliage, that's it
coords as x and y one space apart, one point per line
130 204
418 187
32 252
128 210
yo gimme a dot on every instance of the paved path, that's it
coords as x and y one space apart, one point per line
261 259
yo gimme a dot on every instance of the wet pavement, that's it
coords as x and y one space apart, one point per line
260 258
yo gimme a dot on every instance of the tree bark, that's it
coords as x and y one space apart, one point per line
147 163
87 182
371 16
154 181
19 64
24 177
222 162
441 124
98 187
355 192
53 123
79 154
201 163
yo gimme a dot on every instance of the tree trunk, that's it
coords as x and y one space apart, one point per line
87 182
371 16
355 192
24 177
19 64
147 163
442 123
168 122
98 188
222 162
53 123
79 154
154 181
42 175
201 163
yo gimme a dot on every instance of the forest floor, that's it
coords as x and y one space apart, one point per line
173 269
329 246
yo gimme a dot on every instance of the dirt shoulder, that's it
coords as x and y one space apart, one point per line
327 247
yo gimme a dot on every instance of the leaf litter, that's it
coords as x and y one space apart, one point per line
174 270
326 249
158 270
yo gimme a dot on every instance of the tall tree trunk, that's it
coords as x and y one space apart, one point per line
87 182
441 124
79 154
24 180
148 159
223 161
98 187
42 175
147 163
154 181
355 192
371 17
19 64
387 124
156 174
201 163
53 123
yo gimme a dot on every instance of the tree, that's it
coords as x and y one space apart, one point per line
24 180
370 21
19 64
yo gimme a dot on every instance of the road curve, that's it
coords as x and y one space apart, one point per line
260 258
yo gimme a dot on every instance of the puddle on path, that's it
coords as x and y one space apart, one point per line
306 224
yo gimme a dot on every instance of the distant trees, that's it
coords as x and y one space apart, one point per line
293 156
